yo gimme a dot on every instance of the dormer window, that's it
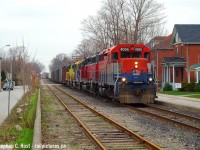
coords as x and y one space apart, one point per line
177 39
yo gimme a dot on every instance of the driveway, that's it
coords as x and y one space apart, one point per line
15 96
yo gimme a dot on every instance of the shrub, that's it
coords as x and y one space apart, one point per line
197 88
184 87
167 87
191 86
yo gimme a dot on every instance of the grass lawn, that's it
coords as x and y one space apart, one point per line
179 93
186 94
194 96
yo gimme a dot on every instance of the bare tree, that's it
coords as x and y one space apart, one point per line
118 21
59 61
122 21
37 67
87 48
146 14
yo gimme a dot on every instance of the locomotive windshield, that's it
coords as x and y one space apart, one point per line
147 56
125 54
115 55
136 55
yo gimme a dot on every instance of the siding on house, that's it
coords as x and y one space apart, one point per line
184 42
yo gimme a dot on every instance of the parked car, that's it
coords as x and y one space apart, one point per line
8 85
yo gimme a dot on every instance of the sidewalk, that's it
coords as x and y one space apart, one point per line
189 104
15 96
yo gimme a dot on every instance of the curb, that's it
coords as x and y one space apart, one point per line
37 140
178 106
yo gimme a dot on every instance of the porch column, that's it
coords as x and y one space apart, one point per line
188 76
173 77
197 76
162 76
169 75
164 72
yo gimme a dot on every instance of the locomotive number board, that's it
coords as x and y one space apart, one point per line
139 49
124 49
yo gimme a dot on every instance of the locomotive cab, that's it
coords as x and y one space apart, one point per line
134 81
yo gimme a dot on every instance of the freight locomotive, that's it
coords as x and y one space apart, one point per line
123 73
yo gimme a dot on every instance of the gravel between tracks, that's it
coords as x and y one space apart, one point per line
163 134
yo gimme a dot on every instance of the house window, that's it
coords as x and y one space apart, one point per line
182 51
182 73
177 73
176 51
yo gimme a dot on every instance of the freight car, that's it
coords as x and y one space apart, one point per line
122 73
59 75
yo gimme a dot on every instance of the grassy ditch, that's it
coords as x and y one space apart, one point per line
18 130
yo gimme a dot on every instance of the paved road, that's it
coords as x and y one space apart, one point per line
15 96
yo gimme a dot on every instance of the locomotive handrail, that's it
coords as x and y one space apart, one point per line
115 84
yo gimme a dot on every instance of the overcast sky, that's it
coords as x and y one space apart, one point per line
51 27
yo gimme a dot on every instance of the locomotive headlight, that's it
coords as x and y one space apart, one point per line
150 79
136 64
123 79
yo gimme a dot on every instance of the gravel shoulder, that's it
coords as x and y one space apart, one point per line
59 129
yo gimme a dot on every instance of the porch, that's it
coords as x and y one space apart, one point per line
173 71
194 68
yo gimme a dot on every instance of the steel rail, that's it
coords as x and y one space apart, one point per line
176 113
147 143
197 130
94 139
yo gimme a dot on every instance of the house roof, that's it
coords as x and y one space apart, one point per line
173 60
194 67
160 42
165 44
188 33
151 43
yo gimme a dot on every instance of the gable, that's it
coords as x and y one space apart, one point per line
177 39
186 33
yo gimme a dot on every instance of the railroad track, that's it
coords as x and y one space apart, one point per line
181 120
104 132
189 122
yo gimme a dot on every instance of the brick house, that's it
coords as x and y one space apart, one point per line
176 57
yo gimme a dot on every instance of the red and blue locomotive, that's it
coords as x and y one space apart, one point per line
122 73
125 74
